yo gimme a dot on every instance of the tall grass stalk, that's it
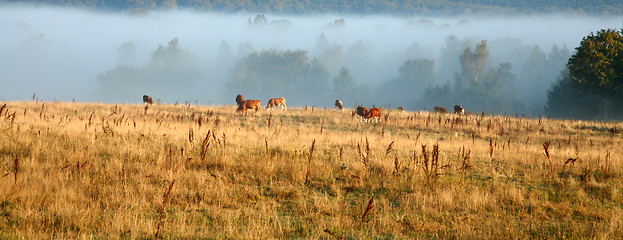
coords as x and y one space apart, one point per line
309 158
165 199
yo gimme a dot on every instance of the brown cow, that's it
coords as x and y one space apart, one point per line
459 110
441 110
361 111
338 105
372 114
274 102
250 104
239 99
243 105
147 99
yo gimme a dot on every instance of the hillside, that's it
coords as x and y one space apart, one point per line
396 7
89 170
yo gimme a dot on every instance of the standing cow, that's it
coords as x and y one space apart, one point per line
372 114
147 100
338 105
243 105
250 104
459 110
274 102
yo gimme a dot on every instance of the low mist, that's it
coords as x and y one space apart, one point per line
77 55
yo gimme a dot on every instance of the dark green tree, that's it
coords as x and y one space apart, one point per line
597 66
566 99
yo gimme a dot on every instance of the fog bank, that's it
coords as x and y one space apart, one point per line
59 53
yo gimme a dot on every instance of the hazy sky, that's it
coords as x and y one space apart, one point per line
57 53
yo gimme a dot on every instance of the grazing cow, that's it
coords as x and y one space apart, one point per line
441 110
338 105
361 111
372 114
147 99
274 102
459 110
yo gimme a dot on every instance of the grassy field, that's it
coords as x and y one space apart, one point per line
77 170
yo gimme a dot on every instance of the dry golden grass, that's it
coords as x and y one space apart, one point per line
72 170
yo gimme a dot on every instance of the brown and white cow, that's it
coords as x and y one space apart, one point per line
459 110
338 105
274 102
441 110
147 100
372 114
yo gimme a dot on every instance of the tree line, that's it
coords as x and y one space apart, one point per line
589 84
592 85
394 7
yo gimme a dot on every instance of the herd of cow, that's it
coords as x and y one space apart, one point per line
367 115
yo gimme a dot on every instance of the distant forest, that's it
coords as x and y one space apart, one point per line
391 7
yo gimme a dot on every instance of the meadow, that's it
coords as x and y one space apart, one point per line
91 170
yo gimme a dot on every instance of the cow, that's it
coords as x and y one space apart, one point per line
459 110
441 110
361 111
338 105
243 105
239 99
147 100
372 114
250 104
401 109
274 102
